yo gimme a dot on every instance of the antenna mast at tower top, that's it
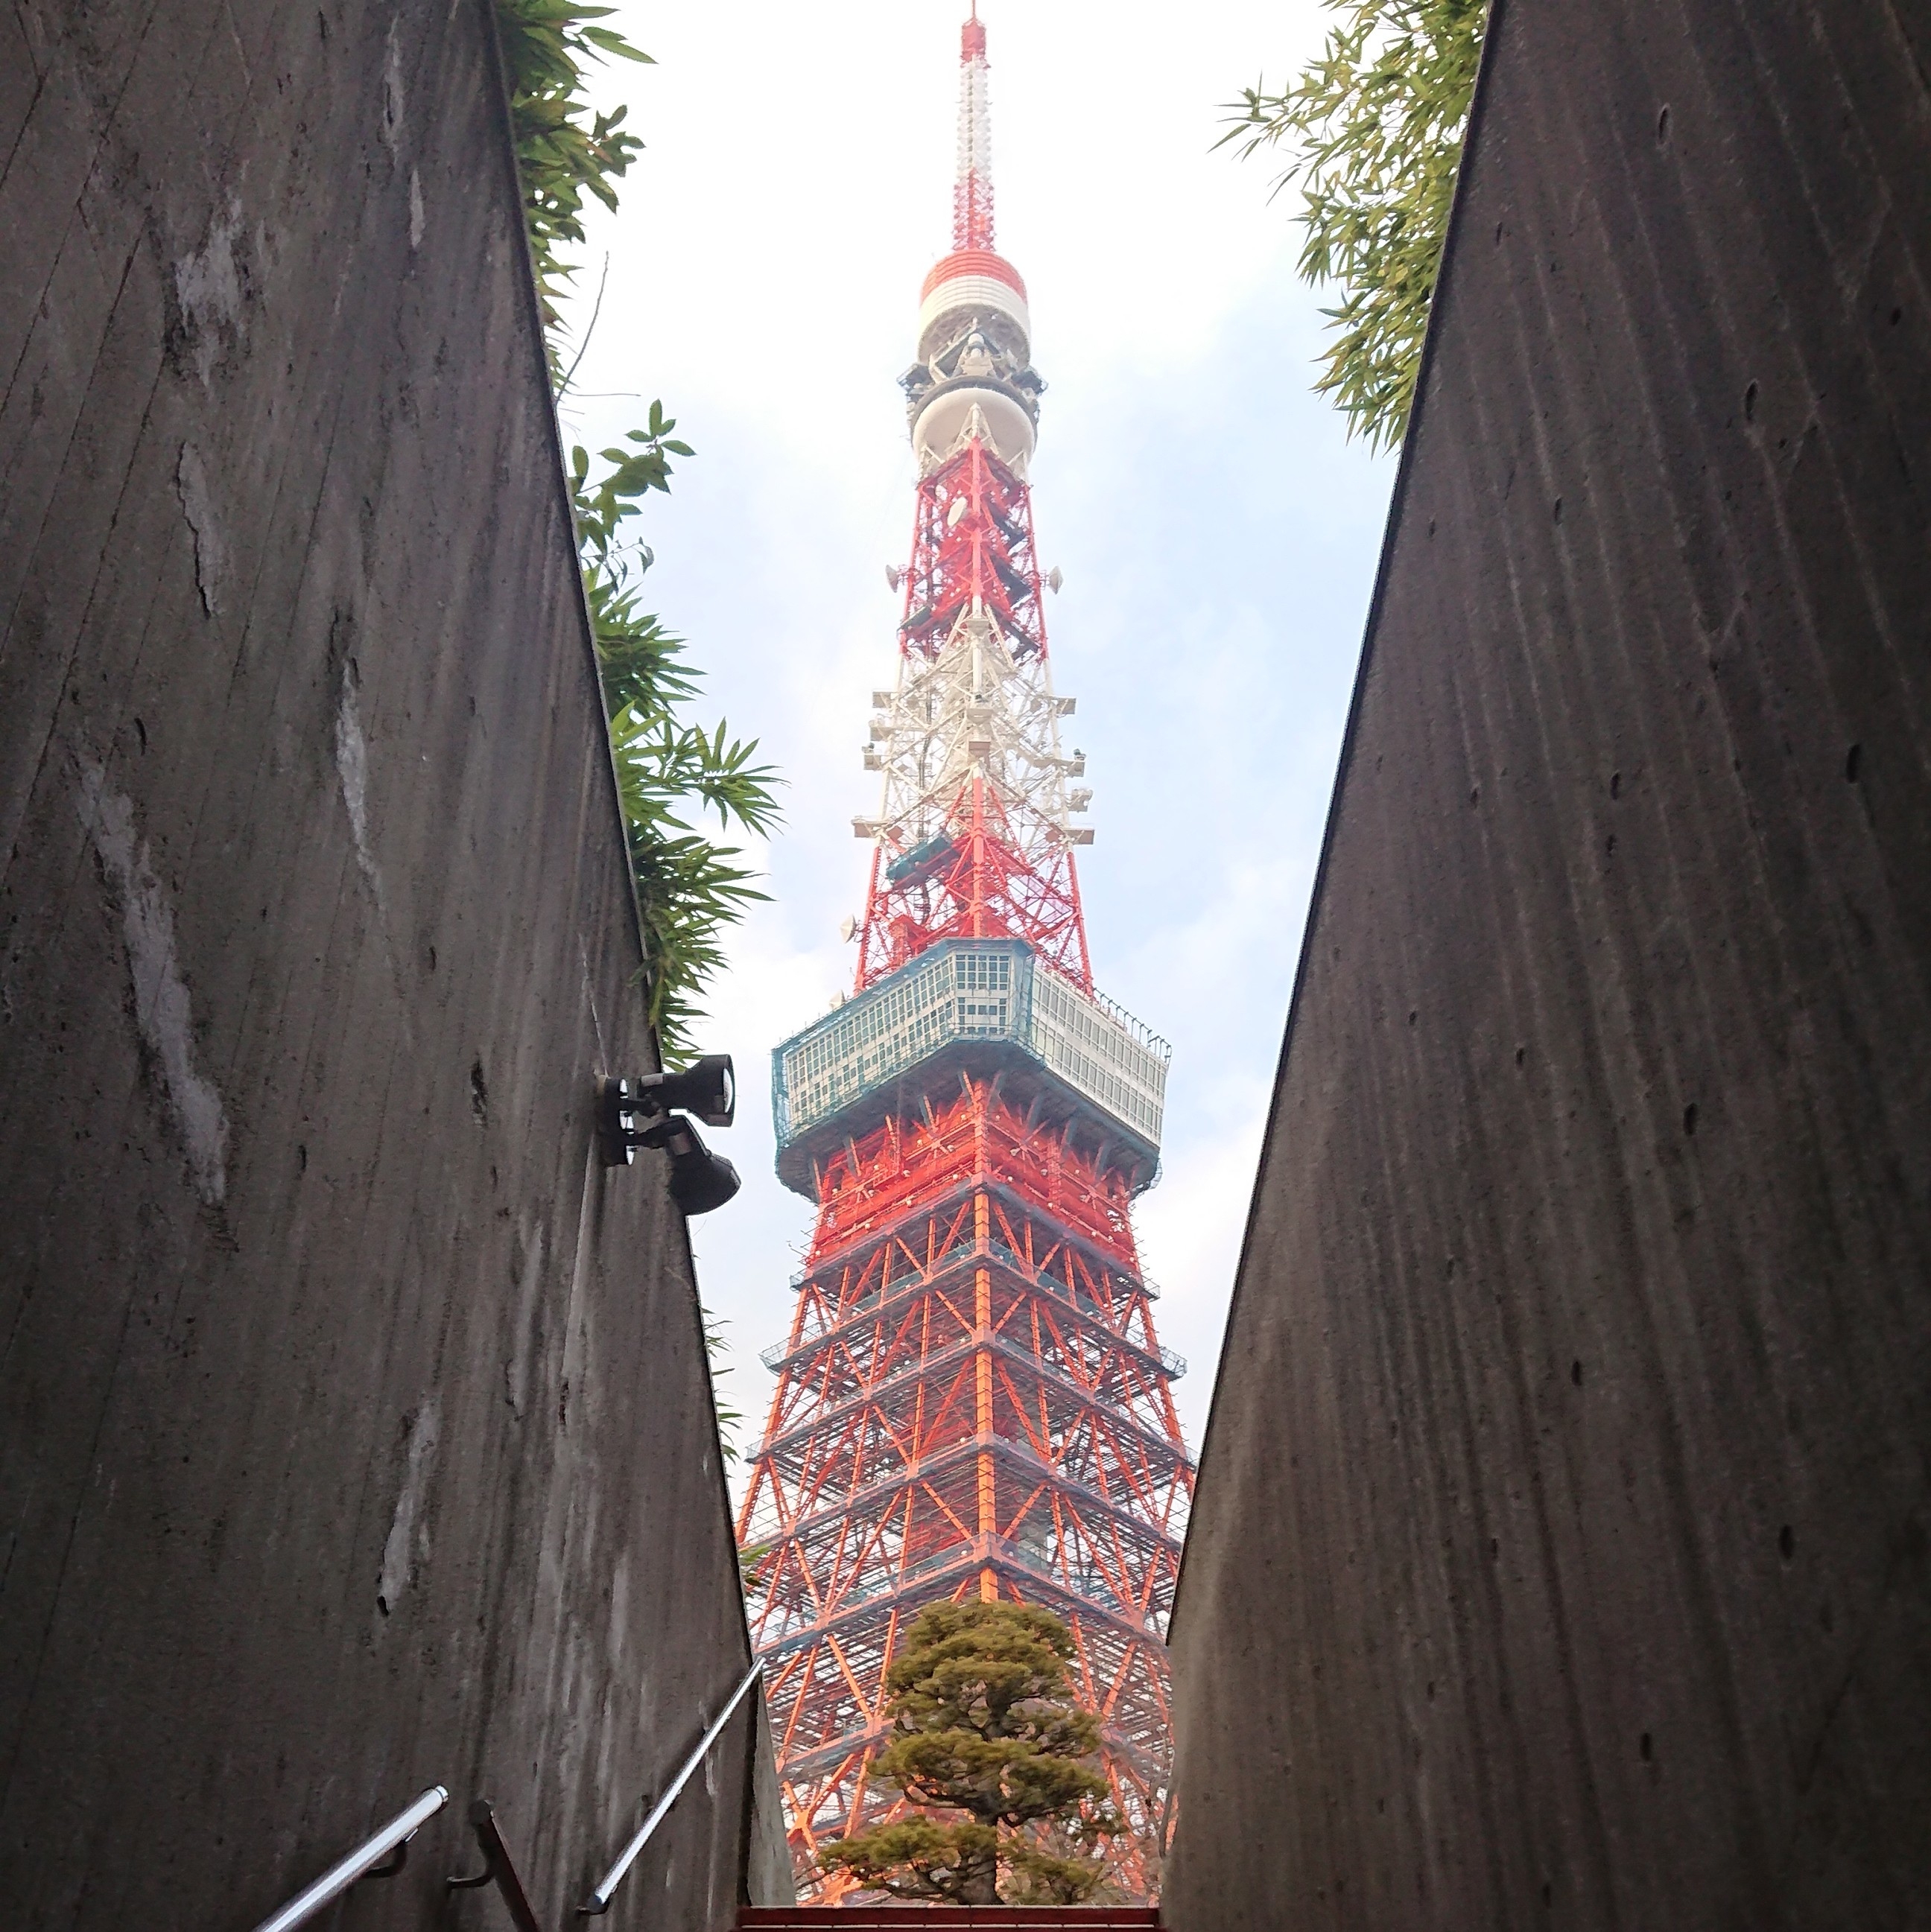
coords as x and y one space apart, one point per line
972 191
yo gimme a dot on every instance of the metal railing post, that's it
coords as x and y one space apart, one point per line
498 1868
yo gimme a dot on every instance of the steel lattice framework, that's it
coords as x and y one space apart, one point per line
972 1399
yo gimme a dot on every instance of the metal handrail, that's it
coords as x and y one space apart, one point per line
361 1863
599 1900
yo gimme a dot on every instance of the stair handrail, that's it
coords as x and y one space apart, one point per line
599 1902
361 1863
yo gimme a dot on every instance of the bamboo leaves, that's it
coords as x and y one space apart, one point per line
1373 129
564 150
671 772
690 886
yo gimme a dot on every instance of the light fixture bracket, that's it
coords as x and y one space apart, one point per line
634 1112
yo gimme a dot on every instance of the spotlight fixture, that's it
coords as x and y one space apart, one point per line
638 1112
708 1088
700 1180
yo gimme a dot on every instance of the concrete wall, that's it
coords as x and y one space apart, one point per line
1561 1556
355 1431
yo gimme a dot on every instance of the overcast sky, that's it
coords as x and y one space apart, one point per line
1218 532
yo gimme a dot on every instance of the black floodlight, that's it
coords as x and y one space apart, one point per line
636 1113
700 1180
709 1090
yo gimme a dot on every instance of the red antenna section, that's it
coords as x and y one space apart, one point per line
971 1402
972 186
977 831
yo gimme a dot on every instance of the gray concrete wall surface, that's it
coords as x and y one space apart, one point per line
1561 1555
354 1424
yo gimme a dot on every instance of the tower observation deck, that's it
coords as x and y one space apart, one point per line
972 1401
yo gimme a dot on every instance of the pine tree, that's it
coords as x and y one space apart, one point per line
986 1733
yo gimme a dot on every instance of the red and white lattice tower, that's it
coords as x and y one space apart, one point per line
972 1401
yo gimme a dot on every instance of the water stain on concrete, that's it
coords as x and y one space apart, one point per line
352 769
210 286
164 1011
408 1542
197 505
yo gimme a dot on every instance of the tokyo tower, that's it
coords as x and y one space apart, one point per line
972 1401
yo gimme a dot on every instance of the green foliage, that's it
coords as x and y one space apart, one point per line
729 1419
1372 131
750 1566
918 1858
690 886
564 151
985 1730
